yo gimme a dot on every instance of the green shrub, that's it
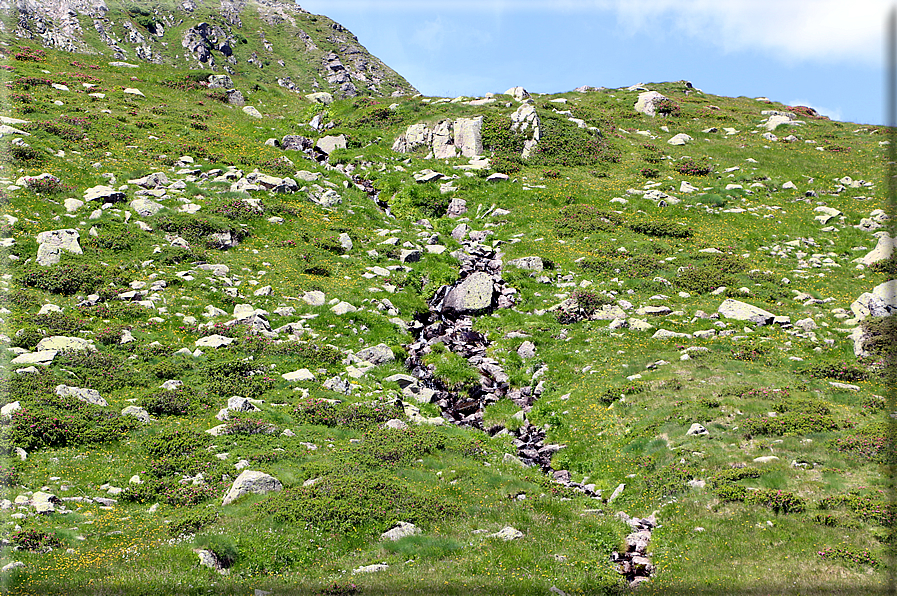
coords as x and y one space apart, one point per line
64 278
419 200
780 501
506 163
35 540
27 337
102 371
734 475
235 377
872 509
730 492
565 144
316 411
114 237
576 220
387 447
848 373
248 425
702 280
850 555
867 448
692 167
367 414
173 442
660 229
9 475
498 137
50 421
176 402
354 501
797 423
192 522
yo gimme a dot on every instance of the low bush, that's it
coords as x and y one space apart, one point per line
357 501
798 423
780 501
848 373
176 402
660 229
51 421
235 377
35 540
702 280
692 167
847 554
103 371
192 522
248 425
873 509
867 448
223 547
419 200
576 220
64 278
316 411
174 443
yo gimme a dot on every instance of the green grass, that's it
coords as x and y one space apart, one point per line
638 440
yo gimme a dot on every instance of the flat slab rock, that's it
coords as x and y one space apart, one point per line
472 294
742 311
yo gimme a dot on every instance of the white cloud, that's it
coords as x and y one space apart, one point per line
829 30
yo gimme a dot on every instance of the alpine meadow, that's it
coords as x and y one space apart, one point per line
274 323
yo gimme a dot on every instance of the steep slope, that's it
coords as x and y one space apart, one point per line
267 41
499 345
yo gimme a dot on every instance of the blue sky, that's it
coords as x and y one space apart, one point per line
827 54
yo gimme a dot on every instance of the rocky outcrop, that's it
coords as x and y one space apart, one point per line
445 140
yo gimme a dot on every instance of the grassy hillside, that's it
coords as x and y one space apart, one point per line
784 494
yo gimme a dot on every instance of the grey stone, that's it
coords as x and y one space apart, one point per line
62 342
250 481
401 530
469 136
53 242
329 144
303 374
741 311
527 350
507 533
252 111
146 207
696 430
104 194
379 354
214 341
472 294
90 396
137 412
647 102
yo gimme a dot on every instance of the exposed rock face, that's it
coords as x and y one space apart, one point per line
210 32
741 311
880 302
445 140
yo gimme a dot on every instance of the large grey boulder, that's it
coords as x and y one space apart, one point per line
880 302
153 180
296 143
379 354
415 135
647 102
883 250
320 97
402 530
137 412
41 358
443 141
52 243
250 481
472 294
91 396
329 144
146 207
469 136
742 311
518 93
63 343
104 194
220 81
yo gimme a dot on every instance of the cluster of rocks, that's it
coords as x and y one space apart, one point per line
634 562
447 138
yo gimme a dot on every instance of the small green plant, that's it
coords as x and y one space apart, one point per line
35 540
660 229
780 501
853 556
692 167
